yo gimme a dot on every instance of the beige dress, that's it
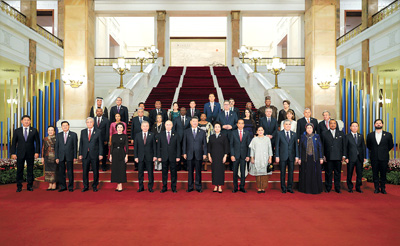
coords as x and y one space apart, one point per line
261 150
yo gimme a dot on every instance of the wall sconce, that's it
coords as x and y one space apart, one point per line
141 57
326 81
73 82
255 57
276 68
243 51
121 68
153 51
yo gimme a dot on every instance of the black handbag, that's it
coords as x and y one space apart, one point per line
270 167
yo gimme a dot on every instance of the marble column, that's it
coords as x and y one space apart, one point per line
369 8
161 17
79 44
320 55
235 20
60 26
28 8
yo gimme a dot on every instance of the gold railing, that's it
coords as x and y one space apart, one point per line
12 12
287 61
49 36
351 34
385 12
110 61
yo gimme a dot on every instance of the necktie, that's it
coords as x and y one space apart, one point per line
240 136
327 124
192 113
227 116
118 109
287 136
145 138
355 138
183 121
269 121
65 138
169 137
26 134
140 120
308 120
194 133
98 122
158 111
90 134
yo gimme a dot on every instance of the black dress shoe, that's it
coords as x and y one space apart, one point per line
259 191
291 191
338 191
359 190
85 189
151 190
215 190
71 190
163 190
234 191
19 189
61 190
220 191
189 190
263 191
95 189
49 189
383 191
283 191
174 191
376 191
140 190
200 191
30 189
119 190
350 190
243 190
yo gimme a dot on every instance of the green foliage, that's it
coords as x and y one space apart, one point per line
392 177
10 176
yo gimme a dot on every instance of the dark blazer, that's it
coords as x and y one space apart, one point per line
286 150
169 151
334 148
136 126
270 129
123 111
301 126
237 111
69 150
104 128
145 152
197 145
94 147
322 127
93 114
379 152
196 113
355 151
28 148
153 116
317 148
240 150
232 120
179 128
212 115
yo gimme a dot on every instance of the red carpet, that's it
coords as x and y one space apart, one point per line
130 218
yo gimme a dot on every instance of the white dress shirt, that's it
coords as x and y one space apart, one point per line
378 137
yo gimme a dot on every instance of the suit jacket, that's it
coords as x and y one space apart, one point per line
379 152
270 129
179 128
286 150
212 115
169 151
322 127
104 128
261 112
301 126
145 113
194 148
237 111
240 150
334 147
145 152
92 113
153 116
94 147
232 120
123 111
69 150
28 148
355 151
196 113
136 127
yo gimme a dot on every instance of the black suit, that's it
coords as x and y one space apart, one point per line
66 153
356 155
322 127
270 128
240 150
334 150
236 110
145 153
90 150
25 151
287 151
231 120
194 148
379 156
301 126
137 126
92 112
153 115
168 152
105 134
180 128
196 113
123 111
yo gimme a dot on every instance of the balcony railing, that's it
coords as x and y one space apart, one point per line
15 14
351 34
110 61
49 36
288 61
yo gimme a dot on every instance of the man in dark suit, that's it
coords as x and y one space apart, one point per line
90 152
233 108
240 154
261 110
25 146
324 125
301 123
145 150
334 153
194 151
137 123
103 124
228 120
169 153
212 108
158 110
180 124
121 110
270 126
99 104
287 153
355 150
379 144
193 111
66 150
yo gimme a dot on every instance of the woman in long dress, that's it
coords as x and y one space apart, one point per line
49 158
293 122
119 156
218 148
114 124
311 159
261 157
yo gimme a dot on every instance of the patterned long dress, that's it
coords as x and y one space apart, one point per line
50 165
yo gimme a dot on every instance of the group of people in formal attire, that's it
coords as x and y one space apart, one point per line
184 138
